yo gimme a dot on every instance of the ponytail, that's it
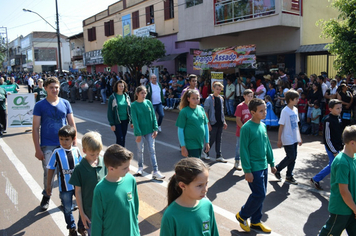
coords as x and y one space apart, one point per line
173 190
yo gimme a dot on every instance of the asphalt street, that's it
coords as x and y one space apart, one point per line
288 209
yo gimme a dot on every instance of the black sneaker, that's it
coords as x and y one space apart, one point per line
44 203
315 184
73 232
291 180
278 175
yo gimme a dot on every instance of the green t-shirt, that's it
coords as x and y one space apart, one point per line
143 118
255 148
193 122
2 98
189 221
86 177
41 93
115 208
343 171
122 106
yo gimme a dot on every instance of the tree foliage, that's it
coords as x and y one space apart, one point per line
343 32
132 51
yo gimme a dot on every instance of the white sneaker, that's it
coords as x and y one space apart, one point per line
166 107
157 175
103 103
159 129
139 171
221 159
171 108
205 156
237 165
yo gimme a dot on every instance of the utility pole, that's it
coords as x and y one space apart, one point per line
59 42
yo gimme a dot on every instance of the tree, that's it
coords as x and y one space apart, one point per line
343 32
133 52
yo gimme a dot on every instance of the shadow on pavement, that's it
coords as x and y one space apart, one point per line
274 198
312 166
311 227
27 220
224 184
151 223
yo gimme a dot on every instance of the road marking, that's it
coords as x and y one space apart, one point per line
53 210
217 209
10 191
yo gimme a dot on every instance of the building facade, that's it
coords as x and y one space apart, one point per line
38 51
143 18
77 50
279 29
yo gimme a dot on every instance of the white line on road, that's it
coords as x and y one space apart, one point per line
10 191
56 214
217 209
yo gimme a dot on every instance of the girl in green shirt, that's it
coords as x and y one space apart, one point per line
145 128
192 125
189 212
119 114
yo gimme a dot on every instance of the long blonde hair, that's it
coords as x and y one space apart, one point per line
184 101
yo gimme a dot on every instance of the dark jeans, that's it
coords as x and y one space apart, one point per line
67 199
3 119
159 109
215 137
120 132
30 88
254 204
289 160
337 223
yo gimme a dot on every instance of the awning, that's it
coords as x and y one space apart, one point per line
170 57
312 48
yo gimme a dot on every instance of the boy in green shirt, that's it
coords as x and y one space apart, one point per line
115 202
85 176
256 153
342 201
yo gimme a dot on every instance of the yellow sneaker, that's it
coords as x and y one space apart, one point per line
243 223
261 227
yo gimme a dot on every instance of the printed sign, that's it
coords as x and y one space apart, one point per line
217 77
223 58
126 25
20 108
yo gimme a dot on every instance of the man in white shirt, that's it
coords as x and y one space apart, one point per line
30 85
155 95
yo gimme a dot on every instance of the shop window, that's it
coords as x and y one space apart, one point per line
91 34
109 28
192 3
168 9
150 15
135 20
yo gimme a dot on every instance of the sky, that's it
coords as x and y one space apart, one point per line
71 15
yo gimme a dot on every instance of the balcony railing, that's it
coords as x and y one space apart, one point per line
238 10
77 52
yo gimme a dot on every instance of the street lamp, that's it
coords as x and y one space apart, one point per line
58 35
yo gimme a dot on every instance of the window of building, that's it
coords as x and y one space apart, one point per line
135 20
91 34
109 28
150 15
168 9
192 3
45 54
